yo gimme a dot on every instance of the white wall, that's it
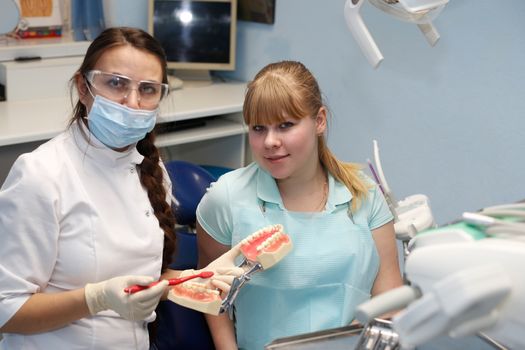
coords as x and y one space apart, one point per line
449 119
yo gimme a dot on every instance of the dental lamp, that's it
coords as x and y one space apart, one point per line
420 12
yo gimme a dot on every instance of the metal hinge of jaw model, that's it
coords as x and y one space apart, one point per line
261 250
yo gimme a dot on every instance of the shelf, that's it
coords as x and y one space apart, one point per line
44 48
196 102
37 120
221 141
213 129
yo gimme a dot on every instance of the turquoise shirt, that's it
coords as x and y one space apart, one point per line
330 270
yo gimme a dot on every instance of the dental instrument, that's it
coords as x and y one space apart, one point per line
411 214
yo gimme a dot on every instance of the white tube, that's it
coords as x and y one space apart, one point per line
391 300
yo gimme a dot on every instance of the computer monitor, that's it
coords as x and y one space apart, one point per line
197 35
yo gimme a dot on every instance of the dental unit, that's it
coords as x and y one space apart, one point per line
420 12
464 279
461 279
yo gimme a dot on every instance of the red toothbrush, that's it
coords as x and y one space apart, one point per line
171 282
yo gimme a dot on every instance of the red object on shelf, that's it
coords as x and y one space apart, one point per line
40 32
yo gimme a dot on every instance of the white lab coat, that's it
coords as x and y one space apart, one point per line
73 213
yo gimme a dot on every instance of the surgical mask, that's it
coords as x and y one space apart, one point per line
118 126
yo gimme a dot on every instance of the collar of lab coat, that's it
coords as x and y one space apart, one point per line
92 148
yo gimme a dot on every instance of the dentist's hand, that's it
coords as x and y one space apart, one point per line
110 294
223 279
226 260
225 269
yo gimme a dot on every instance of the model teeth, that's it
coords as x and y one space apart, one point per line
270 240
275 231
199 287
266 246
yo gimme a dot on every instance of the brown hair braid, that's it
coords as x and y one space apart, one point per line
151 177
151 174
288 88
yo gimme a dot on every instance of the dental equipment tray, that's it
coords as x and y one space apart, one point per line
349 338
342 338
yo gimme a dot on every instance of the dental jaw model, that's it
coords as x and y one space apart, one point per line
261 250
267 246
197 296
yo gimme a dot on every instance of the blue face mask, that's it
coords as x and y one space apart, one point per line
118 126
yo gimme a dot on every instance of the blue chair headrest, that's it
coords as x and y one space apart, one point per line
190 182
216 171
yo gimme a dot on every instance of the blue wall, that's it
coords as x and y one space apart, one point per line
449 119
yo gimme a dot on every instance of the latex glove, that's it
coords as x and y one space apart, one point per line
225 269
223 279
227 260
110 294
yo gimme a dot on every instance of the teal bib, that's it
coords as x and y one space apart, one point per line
330 270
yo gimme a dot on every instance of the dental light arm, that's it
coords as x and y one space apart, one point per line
420 12
357 27
430 33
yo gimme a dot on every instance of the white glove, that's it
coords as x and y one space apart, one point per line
225 269
223 278
226 260
110 294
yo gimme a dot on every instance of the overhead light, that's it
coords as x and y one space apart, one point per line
420 12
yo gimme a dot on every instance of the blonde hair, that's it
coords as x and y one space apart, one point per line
288 88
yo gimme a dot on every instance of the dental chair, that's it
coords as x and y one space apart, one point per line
179 327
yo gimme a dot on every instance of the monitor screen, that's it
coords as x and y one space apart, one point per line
195 34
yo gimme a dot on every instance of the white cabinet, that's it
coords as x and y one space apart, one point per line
38 79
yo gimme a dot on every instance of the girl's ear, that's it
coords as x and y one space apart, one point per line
82 89
321 121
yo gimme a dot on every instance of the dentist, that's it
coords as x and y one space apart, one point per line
88 213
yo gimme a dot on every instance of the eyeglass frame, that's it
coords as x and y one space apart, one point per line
88 76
